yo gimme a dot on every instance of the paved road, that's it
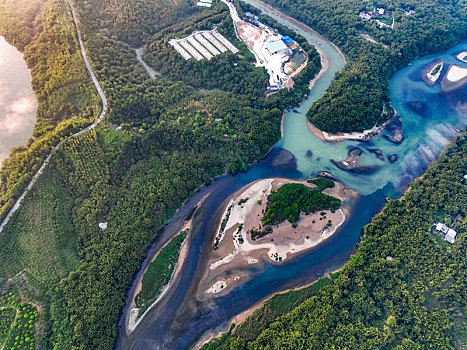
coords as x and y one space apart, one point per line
90 127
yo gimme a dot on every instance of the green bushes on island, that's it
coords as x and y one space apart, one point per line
322 183
159 272
400 290
290 200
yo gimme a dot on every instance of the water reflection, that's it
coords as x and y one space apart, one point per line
17 100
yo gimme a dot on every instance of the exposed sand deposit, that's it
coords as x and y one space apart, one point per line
217 287
234 248
456 73
342 136
455 78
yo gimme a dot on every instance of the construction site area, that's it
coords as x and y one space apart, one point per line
202 45
281 56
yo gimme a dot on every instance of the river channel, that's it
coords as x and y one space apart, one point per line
429 118
17 100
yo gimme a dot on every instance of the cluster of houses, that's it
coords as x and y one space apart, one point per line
377 12
450 234
273 49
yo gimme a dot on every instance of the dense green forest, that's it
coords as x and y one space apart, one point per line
356 98
290 200
402 289
173 138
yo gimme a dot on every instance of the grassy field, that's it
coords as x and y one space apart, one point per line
159 271
40 236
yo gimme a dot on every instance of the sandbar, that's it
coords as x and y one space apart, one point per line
365 135
427 73
133 319
455 78
235 251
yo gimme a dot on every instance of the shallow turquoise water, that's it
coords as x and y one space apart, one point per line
427 130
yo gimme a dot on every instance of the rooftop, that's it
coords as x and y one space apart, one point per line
275 46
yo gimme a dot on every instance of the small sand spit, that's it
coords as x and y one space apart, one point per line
462 56
217 287
456 73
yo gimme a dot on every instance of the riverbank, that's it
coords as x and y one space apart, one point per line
240 318
238 247
365 135
324 68
99 120
18 104
132 318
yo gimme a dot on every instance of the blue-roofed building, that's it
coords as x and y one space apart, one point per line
287 40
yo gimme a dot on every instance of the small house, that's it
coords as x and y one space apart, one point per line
365 16
442 227
450 235
380 11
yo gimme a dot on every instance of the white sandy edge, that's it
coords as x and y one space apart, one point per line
461 56
217 287
456 73
133 319
239 214
324 136
434 78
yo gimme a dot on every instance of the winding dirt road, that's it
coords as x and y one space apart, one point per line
90 127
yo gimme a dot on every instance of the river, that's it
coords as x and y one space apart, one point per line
429 117
17 100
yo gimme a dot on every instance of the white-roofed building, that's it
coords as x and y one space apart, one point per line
442 227
276 47
450 235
